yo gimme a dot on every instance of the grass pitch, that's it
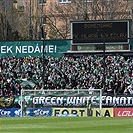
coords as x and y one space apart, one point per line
66 125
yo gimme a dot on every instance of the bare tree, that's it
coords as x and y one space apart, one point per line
109 9
59 16
58 21
25 24
5 25
16 20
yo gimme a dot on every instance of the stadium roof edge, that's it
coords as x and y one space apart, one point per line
107 52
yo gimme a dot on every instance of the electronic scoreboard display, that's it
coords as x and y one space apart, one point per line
95 32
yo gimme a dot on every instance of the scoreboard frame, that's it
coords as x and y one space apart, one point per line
100 31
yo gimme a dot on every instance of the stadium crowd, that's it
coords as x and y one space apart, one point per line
114 74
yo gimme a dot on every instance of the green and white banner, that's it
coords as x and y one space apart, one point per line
53 48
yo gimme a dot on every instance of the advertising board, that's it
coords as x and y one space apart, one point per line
106 112
5 112
39 112
123 112
83 112
65 111
16 112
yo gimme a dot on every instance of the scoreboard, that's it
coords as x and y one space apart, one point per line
95 32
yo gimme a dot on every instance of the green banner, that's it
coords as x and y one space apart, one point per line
53 48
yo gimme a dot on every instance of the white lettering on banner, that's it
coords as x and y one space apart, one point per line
123 100
6 49
84 100
48 100
24 49
71 100
129 99
60 100
64 101
32 49
55 48
93 99
3 49
9 49
17 112
37 49
80 100
117 100
4 113
41 112
53 100
18 49
125 113
77 101
108 99
103 98
50 48
28 49
87 100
